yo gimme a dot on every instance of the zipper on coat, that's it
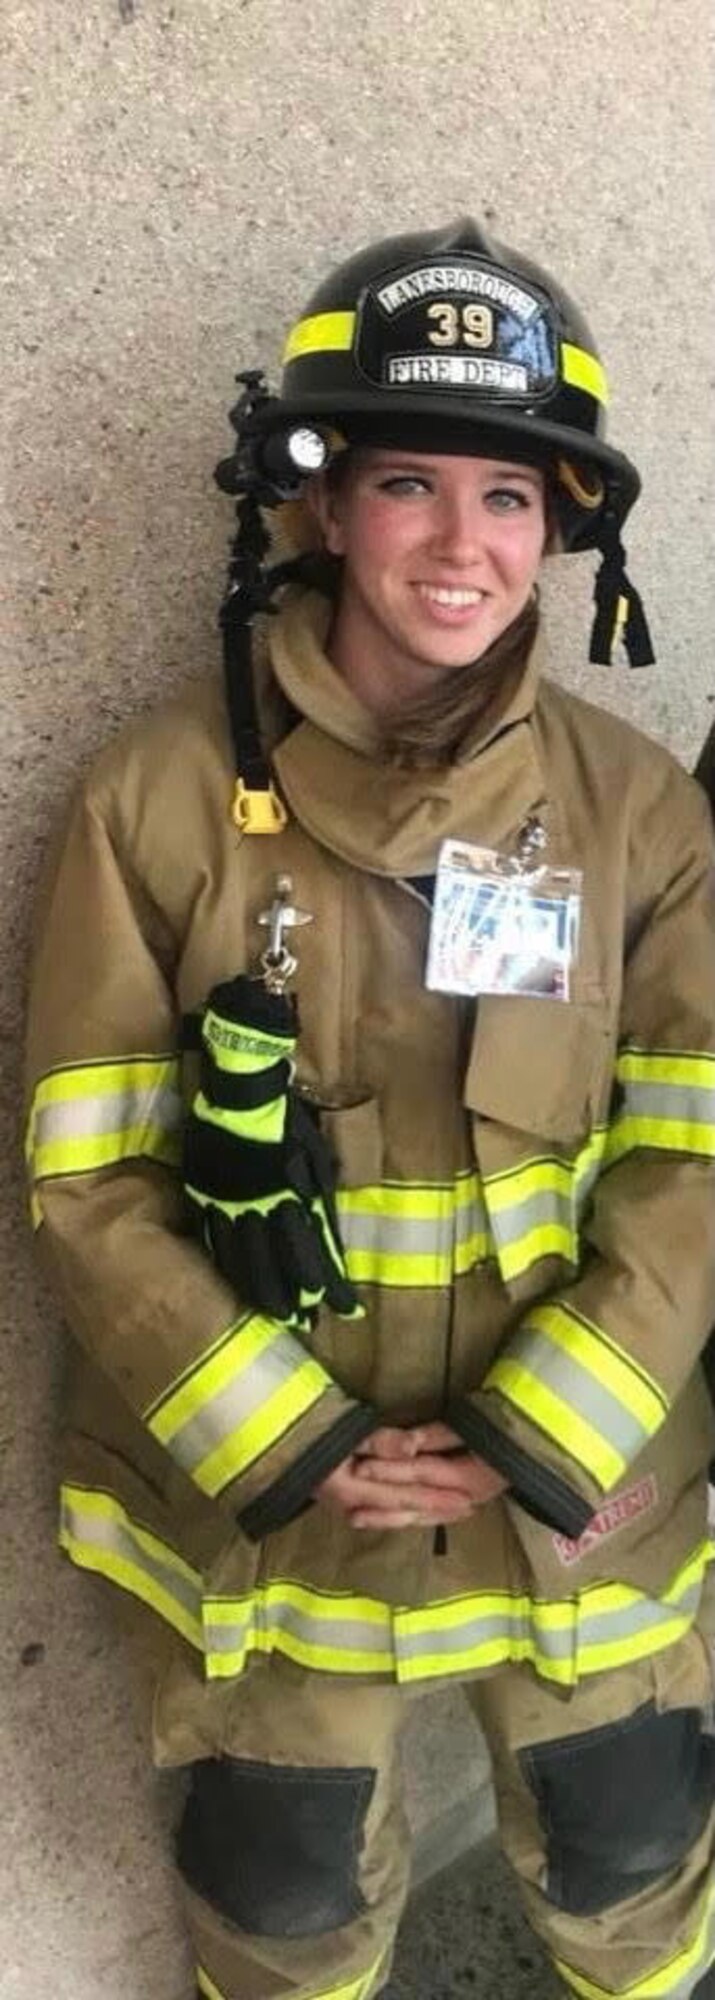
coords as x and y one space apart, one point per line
422 888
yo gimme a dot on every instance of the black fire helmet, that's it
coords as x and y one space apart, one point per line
441 340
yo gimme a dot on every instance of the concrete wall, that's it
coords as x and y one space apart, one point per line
177 178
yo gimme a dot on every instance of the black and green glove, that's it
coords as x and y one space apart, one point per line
258 1175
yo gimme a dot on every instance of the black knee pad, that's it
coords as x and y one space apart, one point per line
620 1805
275 1849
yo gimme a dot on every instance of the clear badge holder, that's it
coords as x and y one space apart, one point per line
504 923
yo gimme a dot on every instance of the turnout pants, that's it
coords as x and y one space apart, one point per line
293 1845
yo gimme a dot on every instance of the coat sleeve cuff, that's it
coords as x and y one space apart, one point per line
292 1491
536 1488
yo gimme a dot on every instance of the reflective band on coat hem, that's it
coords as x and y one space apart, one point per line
677 1980
98 1534
565 1639
237 1401
208 1986
568 1377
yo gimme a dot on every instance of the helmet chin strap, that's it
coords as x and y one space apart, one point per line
252 589
619 609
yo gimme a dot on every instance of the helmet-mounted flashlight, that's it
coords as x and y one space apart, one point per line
269 462
298 452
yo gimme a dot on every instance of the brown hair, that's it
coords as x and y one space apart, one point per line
464 703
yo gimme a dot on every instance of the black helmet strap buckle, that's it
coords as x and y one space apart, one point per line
619 608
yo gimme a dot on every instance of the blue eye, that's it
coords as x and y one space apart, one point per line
403 482
507 500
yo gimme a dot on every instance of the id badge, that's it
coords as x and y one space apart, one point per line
500 926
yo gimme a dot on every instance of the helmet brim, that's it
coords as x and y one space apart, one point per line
462 428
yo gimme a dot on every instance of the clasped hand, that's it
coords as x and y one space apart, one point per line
403 1478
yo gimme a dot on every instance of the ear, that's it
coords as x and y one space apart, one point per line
325 503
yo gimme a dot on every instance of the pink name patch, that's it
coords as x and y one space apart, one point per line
614 1515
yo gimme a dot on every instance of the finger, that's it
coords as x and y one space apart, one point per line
447 1510
390 1442
375 1492
425 1471
432 1503
439 1437
376 1518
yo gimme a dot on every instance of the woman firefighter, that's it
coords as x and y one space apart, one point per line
371 1138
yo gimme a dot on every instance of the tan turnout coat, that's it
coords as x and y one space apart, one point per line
525 1190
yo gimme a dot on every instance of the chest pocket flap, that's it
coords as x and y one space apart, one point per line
542 1067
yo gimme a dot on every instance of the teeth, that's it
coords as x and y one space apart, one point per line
458 598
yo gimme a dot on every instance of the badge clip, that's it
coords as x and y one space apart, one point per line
277 963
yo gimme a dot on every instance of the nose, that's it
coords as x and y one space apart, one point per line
459 529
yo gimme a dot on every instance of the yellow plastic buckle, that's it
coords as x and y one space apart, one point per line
257 812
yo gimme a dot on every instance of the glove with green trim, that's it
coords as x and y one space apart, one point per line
258 1175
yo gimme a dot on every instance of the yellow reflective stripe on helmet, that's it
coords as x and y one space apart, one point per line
678 1979
586 1393
236 1401
334 333
668 1102
411 1234
564 1639
96 1114
322 333
584 371
98 1534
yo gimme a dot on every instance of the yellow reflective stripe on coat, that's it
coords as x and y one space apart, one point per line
235 1401
96 1114
535 1208
668 1102
677 1980
98 1534
564 1639
605 1625
208 1986
566 1375
412 1234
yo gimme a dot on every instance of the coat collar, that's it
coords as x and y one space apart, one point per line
348 798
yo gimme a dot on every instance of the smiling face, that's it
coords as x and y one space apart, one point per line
440 554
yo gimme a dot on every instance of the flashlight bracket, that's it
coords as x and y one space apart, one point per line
269 463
